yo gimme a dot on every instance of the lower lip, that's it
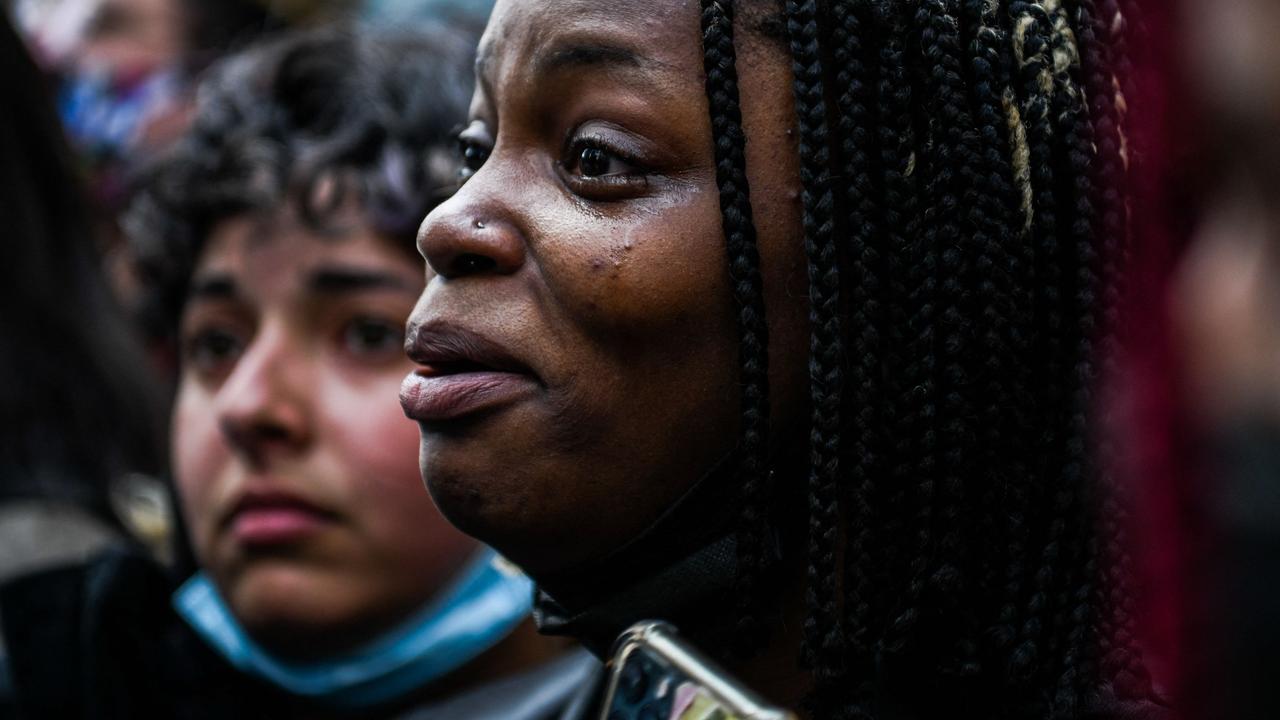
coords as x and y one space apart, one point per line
435 398
276 525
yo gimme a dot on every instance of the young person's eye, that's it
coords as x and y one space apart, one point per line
373 337
212 351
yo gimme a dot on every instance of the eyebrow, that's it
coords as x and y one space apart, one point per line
567 54
589 55
213 287
572 55
322 281
340 280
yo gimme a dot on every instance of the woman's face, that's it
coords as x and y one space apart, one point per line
576 339
296 469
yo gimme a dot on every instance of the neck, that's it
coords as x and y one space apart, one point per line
523 649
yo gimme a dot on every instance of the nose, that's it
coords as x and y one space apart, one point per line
263 408
471 233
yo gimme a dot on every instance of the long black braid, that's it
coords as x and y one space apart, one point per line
962 167
823 626
744 270
855 147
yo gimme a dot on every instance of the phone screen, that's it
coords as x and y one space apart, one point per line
649 688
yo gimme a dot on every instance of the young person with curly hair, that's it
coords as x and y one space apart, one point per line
780 322
320 579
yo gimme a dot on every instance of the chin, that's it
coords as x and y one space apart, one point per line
263 593
501 507
300 631
277 599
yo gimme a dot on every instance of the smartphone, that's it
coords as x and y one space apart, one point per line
655 675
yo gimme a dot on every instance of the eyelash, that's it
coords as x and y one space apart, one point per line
210 350
605 187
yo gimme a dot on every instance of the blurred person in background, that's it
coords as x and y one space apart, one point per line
278 237
78 415
124 70
1203 380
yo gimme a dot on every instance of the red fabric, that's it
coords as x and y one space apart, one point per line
1168 536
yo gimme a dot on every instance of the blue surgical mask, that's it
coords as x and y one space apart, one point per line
488 599
105 116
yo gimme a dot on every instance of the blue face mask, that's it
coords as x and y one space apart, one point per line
485 603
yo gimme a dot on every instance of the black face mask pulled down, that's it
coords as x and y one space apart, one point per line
681 569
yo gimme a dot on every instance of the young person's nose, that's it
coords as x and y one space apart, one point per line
264 407
472 233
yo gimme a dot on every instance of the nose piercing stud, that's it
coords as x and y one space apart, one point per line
479 225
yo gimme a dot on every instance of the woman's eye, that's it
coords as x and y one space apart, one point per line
212 350
372 336
473 154
593 161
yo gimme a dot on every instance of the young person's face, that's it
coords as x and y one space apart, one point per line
577 334
296 468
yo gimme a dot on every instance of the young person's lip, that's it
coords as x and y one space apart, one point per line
462 372
264 518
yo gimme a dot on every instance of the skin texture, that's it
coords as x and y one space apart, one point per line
289 384
604 273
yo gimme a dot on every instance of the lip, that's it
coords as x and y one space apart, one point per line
462 373
267 518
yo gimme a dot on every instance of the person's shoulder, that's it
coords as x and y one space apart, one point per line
557 690
8 703
41 533
75 631
78 592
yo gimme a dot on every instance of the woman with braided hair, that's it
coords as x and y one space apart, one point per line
780 322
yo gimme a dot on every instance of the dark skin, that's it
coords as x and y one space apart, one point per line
587 242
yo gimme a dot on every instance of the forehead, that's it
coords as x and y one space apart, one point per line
272 248
662 34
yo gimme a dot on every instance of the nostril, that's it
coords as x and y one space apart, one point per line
274 433
458 244
472 263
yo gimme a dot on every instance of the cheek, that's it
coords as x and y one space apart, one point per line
372 430
659 267
200 456
378 449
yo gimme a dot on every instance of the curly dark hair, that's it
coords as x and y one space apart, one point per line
963 165
371 115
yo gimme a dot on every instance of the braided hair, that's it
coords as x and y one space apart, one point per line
963 169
